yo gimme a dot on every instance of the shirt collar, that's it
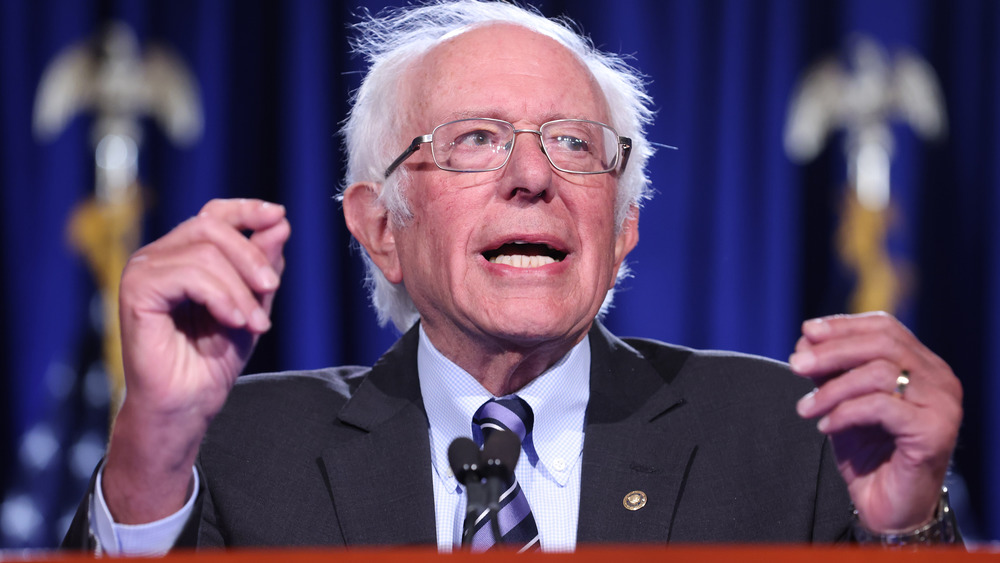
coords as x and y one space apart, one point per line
558 399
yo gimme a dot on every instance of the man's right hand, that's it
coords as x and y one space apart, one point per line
192 306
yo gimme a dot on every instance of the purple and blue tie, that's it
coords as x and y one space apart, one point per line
517 525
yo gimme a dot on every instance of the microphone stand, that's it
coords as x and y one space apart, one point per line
466 463
500 455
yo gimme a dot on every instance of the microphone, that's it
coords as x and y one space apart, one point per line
501 451
500 455
465 460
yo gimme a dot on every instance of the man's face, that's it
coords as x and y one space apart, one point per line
458 256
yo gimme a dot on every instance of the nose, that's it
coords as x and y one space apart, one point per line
528 173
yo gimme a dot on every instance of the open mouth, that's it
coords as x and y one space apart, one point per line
524 255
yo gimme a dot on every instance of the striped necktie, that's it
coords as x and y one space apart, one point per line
517 525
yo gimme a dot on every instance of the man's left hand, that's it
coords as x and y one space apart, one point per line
893 448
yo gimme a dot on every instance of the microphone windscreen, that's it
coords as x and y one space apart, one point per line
503 446
464 457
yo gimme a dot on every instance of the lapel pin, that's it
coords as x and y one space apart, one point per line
634 500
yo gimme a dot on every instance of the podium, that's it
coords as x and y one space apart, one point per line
586 554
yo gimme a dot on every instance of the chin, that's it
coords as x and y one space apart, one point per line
540 327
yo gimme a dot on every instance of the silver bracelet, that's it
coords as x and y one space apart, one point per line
941 530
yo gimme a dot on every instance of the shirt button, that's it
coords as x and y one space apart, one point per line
559 464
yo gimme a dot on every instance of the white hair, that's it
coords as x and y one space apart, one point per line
394 39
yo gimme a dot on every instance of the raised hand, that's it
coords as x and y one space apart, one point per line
192 304
892 448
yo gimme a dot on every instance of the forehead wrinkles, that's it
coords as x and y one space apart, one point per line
497 49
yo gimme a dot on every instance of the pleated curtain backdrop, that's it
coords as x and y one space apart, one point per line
736 249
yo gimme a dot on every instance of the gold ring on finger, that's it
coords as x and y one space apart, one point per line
902 382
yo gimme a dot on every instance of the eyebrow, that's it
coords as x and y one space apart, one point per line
468 114
497 114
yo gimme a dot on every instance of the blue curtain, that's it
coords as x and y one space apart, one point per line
736 248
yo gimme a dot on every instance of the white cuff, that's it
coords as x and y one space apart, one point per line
151 539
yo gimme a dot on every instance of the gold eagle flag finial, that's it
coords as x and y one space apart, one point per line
863 98
110 77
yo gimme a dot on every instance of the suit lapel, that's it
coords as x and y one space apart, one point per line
378 466
636 439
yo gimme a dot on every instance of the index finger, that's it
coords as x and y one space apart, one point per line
842 326
830 345
244 213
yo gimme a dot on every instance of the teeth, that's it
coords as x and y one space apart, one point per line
522 261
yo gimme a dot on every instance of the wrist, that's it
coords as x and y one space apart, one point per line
139 497
940 530
148 468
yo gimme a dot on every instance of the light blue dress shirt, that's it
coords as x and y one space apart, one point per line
558 398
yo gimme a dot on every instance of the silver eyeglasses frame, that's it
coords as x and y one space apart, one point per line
624 147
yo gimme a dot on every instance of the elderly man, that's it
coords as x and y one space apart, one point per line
493 240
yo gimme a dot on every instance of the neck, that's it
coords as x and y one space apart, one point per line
502 367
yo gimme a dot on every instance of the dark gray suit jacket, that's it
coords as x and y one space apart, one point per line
341 456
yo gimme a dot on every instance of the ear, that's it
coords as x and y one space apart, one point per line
628 237
368 221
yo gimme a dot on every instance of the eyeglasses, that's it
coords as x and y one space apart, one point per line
481 144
